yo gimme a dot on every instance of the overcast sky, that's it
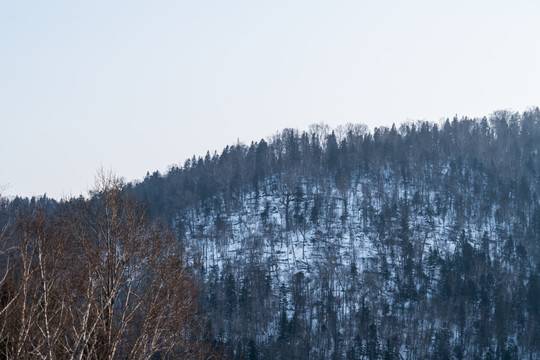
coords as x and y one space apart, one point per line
136 86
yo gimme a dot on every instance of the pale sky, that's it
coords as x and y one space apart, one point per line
136 86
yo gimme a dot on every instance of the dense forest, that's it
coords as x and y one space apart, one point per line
420 241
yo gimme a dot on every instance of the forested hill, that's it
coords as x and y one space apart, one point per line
418 241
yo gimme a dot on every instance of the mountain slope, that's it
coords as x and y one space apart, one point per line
419 242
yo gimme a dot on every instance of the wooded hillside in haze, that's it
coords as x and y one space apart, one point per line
419 241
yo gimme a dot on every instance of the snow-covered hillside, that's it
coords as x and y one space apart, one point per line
414 243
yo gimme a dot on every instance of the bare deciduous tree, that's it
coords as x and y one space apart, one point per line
98 280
